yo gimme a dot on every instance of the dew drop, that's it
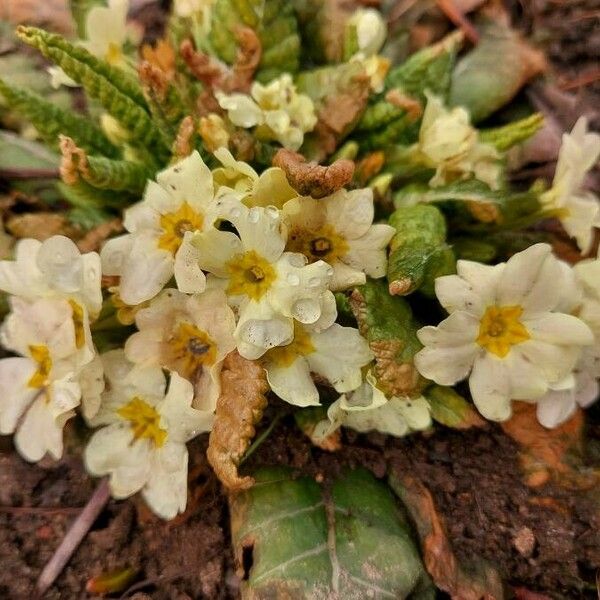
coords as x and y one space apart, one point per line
253 215
314 282
235 212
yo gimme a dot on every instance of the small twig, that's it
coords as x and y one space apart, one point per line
260 439
456 16
581 80
29 173
40 510
73 538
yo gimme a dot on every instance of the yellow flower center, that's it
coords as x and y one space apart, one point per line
144 421
250 275
500 329
41 355
301 345
190 349
175 224
323 244
114 54
77 316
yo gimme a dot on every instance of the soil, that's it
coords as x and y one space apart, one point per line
544 540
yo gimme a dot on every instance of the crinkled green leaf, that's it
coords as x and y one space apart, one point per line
428 69
294 538
490 75
79 10
449 408
510 135
94 200
50 121
119 93
388 325
275 24
418 250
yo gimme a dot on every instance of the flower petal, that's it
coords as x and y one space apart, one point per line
15 394
188 274
490 387
215 249
351 212
293 383
446 365
556 407
560 329
368 253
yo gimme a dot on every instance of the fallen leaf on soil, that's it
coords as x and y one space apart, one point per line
94 238
239 407
294 538
311 179
40 226
481 582
550 453
109 583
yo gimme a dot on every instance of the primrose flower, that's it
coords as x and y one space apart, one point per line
148 256
449 144
54 269
277 110
578 210
106 31
370 28
506 329
39 389
142 445
269 287
237 177
190 335
337 354
339 230
367 409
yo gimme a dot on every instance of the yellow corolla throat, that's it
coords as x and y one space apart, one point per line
323 244
500 329
144 421
175 224
77 316
301 345
41 355
114 54
250 275
190 349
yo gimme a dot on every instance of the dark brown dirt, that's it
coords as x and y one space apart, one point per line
187 558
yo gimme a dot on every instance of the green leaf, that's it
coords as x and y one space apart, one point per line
275 24
50 121
449 408
94 202
418 251
79 10
489 76
388 325
297 539
510 135
118 92
18 153
428 69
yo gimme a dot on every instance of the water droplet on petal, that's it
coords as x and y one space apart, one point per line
235 212
253 215
314 282
272 211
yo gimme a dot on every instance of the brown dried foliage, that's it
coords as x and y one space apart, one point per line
239 407
182 146
310 178
74 162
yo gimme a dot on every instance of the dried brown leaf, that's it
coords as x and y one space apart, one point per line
161 56
448 574
239 407
311 179
40 226
74 161
203 66
153 79
247 60
94 238
550 453
182 146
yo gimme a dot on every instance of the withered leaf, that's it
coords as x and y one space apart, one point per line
310 178
239 407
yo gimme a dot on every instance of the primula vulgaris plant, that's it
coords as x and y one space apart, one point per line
289 196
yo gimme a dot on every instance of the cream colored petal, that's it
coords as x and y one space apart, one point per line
446 365
556 407
560 329
368 253
162 309
112 451
364 398
304 213
40 432
483 279
457 294
582 214
458 329
90 290
416 411
22 276
183 422
114 254
554 361
241 109
340 353
189 180
92 384
166 489
527 381
215 249
299 288
188 274
260 328
145 347
15 394
350 212
146 271
345 277
59 261
293 383
328 313
64 395
158 201
490 387
271 189
530 280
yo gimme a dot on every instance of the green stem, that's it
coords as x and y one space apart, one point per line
260 439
